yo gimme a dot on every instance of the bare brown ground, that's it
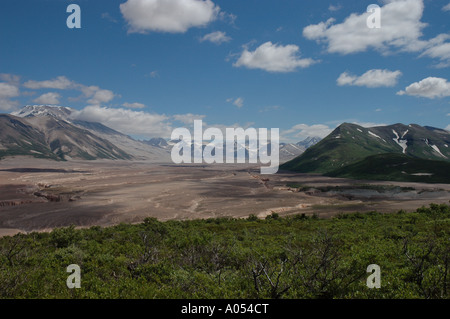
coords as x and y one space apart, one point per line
39 195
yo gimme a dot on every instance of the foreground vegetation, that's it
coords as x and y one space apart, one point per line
292 257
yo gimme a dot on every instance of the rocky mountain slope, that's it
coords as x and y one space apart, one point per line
57 135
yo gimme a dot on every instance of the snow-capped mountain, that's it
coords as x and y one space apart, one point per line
59 112
68 138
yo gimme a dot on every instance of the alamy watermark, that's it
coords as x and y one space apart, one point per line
374 19
238 146
374 280
74 280
74 19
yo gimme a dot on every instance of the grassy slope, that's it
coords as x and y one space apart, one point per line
396 167
346 145
350 151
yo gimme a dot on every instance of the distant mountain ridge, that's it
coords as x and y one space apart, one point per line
350 143
50 132
48 137
53 132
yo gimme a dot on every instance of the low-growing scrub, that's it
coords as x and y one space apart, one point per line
276 257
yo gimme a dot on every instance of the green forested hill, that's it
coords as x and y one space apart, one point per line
351 144
396 167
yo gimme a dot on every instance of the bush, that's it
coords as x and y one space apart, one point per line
63 237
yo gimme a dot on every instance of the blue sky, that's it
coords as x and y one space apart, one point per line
145 67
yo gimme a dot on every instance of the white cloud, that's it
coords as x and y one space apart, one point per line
334 8
10 78
270 108
101 97
217 37
154 74
446 7
8 90
107 16
95 94
48 98
371 79
134 105
430 87
127 121
175 16
302 131
448 127
239 102
401 28
367 124
60 83
8 105
273 58
440 49
187 118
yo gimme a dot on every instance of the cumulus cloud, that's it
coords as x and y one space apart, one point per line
217 37
8 91
60 83
134 105
371 79
440 49
301 131
127 121
446 7
48 98
187 119
401 29
8 105
430 87
239 102
273 58
448 127
94 94
101 97
175 16
10 78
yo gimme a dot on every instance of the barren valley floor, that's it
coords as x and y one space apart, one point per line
39 195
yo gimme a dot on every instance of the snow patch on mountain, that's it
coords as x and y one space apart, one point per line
438 150
58 112
375 135
403 135
402 143
435 148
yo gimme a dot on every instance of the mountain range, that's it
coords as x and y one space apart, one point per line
52 132
354 151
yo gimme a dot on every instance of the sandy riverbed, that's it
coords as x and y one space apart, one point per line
38 195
